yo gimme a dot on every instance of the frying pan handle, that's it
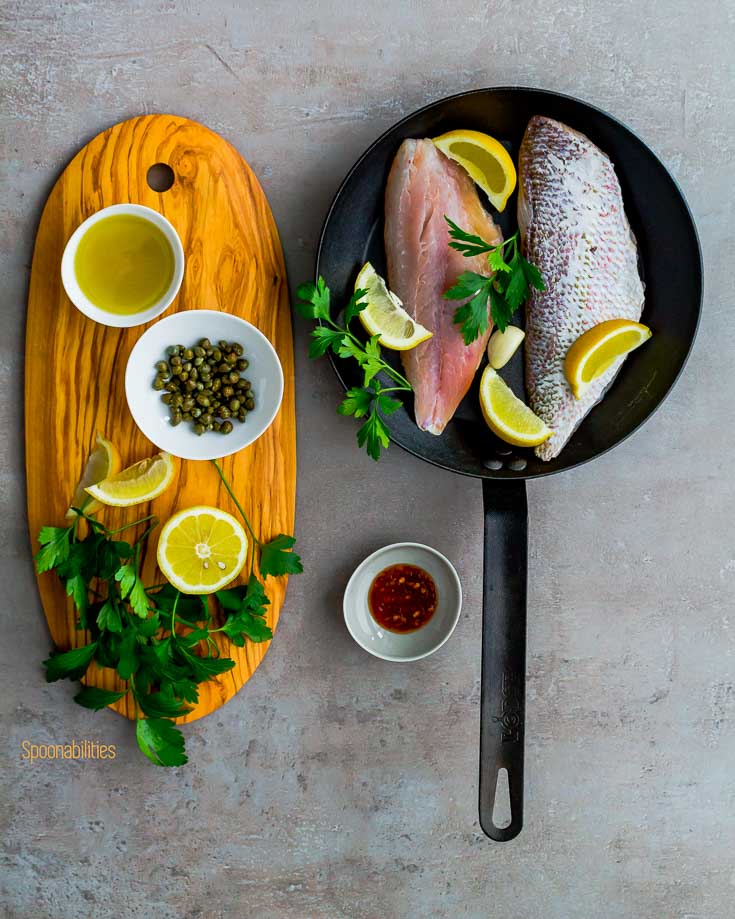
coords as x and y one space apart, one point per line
502 705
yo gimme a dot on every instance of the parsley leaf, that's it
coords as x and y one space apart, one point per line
160 705
276 557
355 305
109 617
323 339
247 610
94 698
70 665
313 302
357 402
373 435
466 243
132 589
55 542
507 289
161 741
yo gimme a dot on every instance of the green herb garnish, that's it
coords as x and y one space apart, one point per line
370 401
158 640
511 283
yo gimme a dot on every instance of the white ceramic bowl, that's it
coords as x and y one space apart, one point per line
406 646
84 305
186 328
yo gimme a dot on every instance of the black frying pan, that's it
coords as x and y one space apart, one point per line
670 263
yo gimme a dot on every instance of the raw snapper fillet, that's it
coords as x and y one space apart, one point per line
574 229
423 186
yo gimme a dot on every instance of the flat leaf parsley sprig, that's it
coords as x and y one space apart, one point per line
158 641
510 285
371 400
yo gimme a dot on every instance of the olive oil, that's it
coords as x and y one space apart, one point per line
124 264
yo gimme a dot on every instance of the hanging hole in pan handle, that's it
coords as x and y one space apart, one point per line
160 177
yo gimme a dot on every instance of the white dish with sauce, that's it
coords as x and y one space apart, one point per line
403 646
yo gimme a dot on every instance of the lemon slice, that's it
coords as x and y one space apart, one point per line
598 349
508 417
201 549
104 460
384 314
485 159
140 482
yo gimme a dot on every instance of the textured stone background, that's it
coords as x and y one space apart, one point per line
335 786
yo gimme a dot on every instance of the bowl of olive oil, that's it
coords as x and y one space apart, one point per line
123 266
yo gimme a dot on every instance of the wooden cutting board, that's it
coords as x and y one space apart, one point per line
75 368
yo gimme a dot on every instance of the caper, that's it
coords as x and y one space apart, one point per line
227 427
237 348
162 367
188 354
216 384
231 357
228 392
250 404
176 418
198 351
222 345
202 399
199 386
225 413
177 400
193 374
190 386
166 397
196 412
197 362
158 383
186 416
242 414
187 365
175 360
216 355
171 387
217 426
242 364
234 405
183 376
199 429
174 350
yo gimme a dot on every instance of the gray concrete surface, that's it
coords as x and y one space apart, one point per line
335 786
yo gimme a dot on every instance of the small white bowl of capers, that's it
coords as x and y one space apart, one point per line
202 384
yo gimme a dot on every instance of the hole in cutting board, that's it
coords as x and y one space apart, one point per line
160 177
501 805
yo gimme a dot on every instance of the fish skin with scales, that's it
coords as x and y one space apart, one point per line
574 229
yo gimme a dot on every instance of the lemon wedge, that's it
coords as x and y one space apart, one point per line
140 482
384 314
507 416
598 348
201 549
485 159
103 461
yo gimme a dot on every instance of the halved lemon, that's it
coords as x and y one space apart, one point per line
140 482
485 159
507 416
201 549
598 348
103 461
384 314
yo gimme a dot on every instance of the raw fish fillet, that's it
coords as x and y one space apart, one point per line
574 229
423 186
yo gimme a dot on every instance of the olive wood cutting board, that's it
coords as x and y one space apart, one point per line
75 368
